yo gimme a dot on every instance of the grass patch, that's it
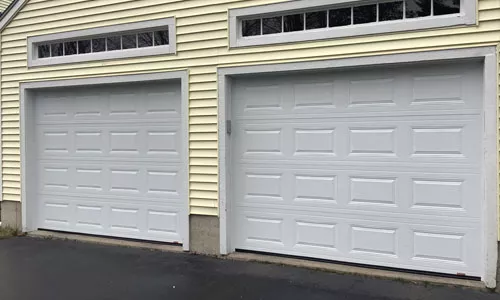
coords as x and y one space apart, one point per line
7 232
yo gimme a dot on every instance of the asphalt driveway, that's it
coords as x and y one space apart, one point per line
41 269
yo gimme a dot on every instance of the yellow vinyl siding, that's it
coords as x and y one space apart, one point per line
202 44
4 4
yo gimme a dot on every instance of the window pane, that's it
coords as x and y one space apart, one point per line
294 22
316 20
250 27
446 7
57 49
145 39
114 43
340 17
129 41
418 8
43 51
271 25
84 46
365 14
161 38
390 11
70 48
99 45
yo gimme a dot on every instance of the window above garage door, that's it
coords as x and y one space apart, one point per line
296 21
111 42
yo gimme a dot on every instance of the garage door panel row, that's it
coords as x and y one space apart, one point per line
157 222
145 103
138 181
379 89
416 139
398 192
447 248
103 141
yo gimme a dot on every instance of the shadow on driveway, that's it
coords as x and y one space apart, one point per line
40 269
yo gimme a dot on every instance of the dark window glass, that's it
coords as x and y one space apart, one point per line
70 48
316 20
418 8
446 7
294 22
340 17
43 51
84 46
114 43
129 41
57 49
271 25
365 14
161 38
250 27
145 39
390 11
99 45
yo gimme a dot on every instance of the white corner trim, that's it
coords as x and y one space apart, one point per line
12 13
489 166
26 118
468 16
33 41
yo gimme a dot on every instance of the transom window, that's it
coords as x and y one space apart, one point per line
304 20
104 43
153 37
382 11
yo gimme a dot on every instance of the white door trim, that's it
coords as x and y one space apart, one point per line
489 165
27 117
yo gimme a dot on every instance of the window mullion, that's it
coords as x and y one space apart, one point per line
404 9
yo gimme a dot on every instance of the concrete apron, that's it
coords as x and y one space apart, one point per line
204 239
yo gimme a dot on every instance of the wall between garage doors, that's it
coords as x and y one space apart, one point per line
202 45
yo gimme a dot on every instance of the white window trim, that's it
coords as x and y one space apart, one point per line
467 16
34 41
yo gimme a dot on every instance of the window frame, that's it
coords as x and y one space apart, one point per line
99 32
467 16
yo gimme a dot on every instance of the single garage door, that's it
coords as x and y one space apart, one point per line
378 166
110 161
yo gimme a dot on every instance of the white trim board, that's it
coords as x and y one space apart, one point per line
489 165
27 117
11 13
467 16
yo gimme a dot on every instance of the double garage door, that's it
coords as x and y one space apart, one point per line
377 166
109 161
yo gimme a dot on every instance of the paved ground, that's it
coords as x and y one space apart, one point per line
53 269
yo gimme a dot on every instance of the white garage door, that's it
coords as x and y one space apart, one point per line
378 166
110 161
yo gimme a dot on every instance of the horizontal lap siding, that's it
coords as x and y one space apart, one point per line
202 47
4 4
